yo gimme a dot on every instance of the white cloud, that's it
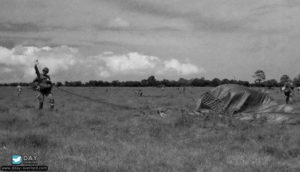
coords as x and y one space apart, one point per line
130 62
66 63
20 60
140 64
181 68
58 58
118 23
102 72
107 53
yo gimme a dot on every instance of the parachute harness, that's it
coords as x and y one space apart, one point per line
213 103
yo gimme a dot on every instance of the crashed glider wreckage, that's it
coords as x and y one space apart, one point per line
246 104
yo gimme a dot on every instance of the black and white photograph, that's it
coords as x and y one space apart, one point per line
150 85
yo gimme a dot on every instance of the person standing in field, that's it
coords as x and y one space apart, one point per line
139 93
19 90
183 90
288 89
43 85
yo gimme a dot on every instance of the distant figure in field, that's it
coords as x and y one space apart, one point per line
282 89
139 93
298 89
288 90
181 90
43 85
162 87
19 89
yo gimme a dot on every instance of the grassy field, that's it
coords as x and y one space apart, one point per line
113 130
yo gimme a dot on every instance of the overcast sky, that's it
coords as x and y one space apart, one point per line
133 39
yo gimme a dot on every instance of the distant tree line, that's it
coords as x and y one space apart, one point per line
15 84
259 81
153 82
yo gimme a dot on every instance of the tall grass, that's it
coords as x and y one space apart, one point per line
80 135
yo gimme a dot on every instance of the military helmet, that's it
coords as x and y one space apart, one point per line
45 69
